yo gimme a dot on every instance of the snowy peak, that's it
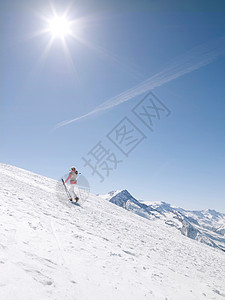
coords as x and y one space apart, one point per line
109 195
126 200
212 215
161 206
122 198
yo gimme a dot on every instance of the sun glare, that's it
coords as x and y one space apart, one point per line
59 27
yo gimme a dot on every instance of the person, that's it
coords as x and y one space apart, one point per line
73 181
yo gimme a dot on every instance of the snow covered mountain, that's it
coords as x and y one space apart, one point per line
52 249
206 226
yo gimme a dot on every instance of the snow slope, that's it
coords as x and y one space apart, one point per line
52 249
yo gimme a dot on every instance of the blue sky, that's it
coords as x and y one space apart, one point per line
126 42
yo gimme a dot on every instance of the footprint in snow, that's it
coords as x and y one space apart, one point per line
219 293
128 252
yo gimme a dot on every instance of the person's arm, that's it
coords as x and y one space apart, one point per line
68 178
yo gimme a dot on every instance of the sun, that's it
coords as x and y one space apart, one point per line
59 27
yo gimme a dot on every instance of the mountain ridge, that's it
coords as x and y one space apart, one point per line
206 226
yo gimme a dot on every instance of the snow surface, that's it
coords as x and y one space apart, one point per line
52 249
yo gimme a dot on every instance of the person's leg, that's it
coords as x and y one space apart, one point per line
76 192
73 195
72 192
